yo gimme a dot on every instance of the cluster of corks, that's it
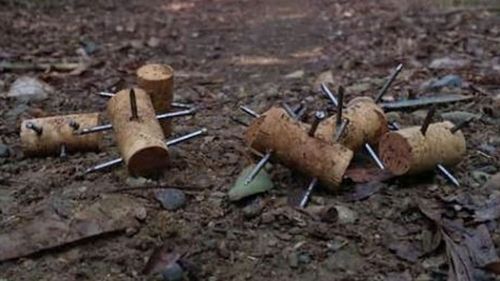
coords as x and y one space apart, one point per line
322 156
132 112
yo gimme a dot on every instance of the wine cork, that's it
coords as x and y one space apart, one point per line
292 146
48 135
367 123
408 151
158 82
141 141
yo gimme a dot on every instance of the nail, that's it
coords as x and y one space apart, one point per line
340 105
448 175
461 125
427 120
374 156
63 151
329 94
249 111
38 130
168 143
340 130
133 105
318 117
388 83
263 161
74 125
289 110
308 192
186 137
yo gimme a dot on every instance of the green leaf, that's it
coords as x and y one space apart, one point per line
261 183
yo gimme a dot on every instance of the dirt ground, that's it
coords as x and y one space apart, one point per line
228 53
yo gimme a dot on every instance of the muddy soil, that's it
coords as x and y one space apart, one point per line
225 54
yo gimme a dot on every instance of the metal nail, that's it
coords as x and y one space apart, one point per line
187 137
173 104
290 111
63 153
461 125
318 117
263 161
427 120
340 105
74 125
133 105
168 143
168 115
181 105
388 83
307 194
340 130
329 94
105 94
448 175
374 156
38 130
249 111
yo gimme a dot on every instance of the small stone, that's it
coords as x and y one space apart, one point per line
419 115
393 116
4 151
253 209
153 42
136 44
459 116
346 215
450 81
295 75
293 260
304 258
480 177
358 88
173 273
448 63
267 218
29 89
137 181
171 198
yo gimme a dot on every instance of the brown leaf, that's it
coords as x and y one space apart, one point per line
365 190
109 214
162 257
460 264
364 175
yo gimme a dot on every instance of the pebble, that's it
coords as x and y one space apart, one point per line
451 81
419 115
137 181
253 209
295 75
304 258
27 89
346 215
448 63
4 151
171 198
173 273
393 117
480 177
458 116
293 260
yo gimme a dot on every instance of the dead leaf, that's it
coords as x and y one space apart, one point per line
109 214
364 175
365 190
459 262
161 258
405 250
